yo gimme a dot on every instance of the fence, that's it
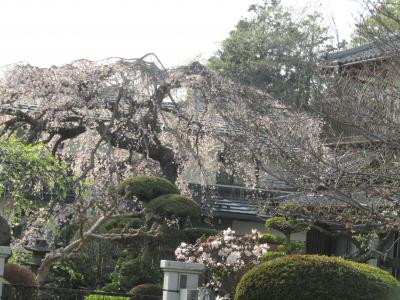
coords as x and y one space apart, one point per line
20 292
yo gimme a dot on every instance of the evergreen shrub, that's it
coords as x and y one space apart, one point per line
146 188
146 292
174 205
305 277
194 233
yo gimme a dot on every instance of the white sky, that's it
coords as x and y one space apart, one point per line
46 32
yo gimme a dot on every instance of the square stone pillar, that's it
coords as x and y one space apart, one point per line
180 277
5 252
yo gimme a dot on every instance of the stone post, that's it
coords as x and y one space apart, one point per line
179 277
5 252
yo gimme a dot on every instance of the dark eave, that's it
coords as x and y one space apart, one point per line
363 53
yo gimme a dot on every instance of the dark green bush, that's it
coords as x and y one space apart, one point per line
272 255
117 224
305 277
88 270
174 205
131 271
272 239
170 237
292 247
285 226
146 188
193 234
146 292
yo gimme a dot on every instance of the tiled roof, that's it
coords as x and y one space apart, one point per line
242 209
364 52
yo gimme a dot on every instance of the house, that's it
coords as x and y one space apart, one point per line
369 77
240 208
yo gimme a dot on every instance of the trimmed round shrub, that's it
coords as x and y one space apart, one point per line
146 292
19 275
174 205
304 277
146 188
22 279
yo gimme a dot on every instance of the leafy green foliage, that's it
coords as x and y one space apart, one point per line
131 271
286 226
274 51
64 273
29 173
146 188
292 247
105 297
305 277
170 237
270 238
89 269
193 234
381 22
147 292
174 205
116 225
272 255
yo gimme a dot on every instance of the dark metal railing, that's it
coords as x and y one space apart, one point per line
23 292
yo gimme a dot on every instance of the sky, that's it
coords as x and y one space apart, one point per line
55 32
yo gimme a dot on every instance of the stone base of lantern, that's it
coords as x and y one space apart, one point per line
181 279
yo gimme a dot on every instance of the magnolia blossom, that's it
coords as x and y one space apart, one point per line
228 256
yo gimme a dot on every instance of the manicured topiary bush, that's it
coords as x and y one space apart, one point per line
174 205
19 275
146 188
305 277
23 279
146 292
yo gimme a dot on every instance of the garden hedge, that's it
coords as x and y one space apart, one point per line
146 292
146 188
305 277
174 205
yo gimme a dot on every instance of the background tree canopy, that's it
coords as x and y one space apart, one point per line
29 173
274 51
380 20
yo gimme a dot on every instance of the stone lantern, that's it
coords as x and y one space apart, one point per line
5 250
39 251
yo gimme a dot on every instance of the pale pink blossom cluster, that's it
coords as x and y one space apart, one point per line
227 256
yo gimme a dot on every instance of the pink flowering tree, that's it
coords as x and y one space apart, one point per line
227 256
